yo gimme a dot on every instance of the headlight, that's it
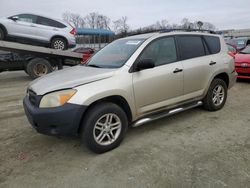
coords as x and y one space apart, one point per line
57 98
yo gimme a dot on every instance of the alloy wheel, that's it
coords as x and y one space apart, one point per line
107 129
218 95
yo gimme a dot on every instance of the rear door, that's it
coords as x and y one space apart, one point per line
48 27
158 87
198 62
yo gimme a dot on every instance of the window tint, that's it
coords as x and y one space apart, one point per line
49 22
213 44
27 18
161 51
191 46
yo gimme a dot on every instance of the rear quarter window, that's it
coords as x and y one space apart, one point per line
190 47
213 44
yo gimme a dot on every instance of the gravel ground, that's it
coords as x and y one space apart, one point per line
195 148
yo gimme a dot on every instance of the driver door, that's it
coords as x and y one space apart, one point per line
160 86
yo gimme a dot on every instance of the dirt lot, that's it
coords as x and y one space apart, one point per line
192 149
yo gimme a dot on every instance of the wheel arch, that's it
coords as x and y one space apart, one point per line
59 36
4 29
223 76
116 99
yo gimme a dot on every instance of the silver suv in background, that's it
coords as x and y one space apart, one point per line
132 81
37 30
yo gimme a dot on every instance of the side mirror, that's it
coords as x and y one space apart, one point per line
14 18
145 64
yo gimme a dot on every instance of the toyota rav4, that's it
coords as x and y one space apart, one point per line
132 81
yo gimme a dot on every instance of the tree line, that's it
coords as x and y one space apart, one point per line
120 26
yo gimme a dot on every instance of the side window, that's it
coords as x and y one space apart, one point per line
161 51
49 22
213 44
191 47
27 18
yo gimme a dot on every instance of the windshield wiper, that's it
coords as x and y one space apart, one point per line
93 65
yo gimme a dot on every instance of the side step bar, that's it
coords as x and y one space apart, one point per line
166 114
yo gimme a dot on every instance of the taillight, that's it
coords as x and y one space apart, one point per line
73 31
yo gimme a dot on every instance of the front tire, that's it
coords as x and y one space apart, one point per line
104 127
59 44
216 95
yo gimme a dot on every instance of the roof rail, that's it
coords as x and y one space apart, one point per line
188 30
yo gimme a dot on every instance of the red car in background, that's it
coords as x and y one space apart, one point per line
242 63
86 53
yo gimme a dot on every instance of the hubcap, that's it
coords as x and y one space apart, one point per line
218 95
107 129
40 70
58 44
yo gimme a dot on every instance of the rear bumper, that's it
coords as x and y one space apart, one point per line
64 120
71 42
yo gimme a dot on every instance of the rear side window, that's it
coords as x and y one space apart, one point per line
213 44
49 22
190 47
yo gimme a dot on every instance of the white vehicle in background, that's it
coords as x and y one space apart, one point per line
37 30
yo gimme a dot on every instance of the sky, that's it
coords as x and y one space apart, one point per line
224 14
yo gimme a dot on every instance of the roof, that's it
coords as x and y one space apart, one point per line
90 31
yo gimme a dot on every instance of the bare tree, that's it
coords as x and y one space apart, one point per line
75 19
66 17
208 26
185 23
96 20
91 19
102 22
121 26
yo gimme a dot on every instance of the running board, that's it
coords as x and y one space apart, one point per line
166 114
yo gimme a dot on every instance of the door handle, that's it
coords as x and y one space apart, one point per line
177 70
32 25
212 63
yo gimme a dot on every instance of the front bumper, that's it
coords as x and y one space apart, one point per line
243 72
64 120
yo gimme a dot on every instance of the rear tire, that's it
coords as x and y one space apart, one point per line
216 95
2 34
59 44
38 67
104 127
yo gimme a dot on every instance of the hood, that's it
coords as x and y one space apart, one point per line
69 78
240 58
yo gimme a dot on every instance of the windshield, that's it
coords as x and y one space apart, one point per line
240 43
115 54
245 50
